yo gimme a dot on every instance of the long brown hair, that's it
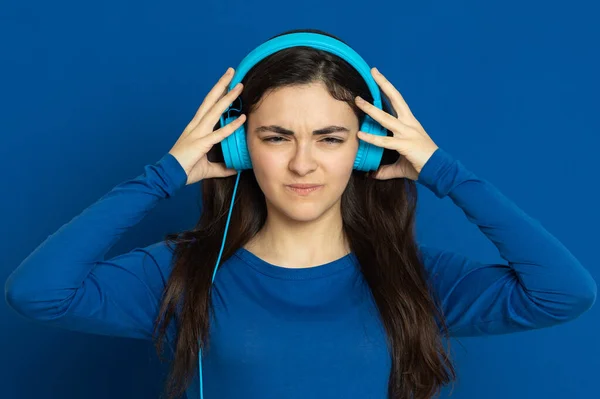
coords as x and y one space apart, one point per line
378 219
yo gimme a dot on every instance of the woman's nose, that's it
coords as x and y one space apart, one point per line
303 160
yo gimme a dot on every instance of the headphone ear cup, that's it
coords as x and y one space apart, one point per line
234 147
368 156
243 154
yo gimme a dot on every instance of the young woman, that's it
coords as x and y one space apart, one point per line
323 291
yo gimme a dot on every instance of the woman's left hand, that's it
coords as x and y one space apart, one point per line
409 138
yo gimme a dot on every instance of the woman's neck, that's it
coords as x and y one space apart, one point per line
299 245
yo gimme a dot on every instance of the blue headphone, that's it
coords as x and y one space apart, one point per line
368 156
234 148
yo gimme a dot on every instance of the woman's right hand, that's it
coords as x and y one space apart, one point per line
198 137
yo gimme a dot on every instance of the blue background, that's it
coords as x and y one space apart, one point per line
92 92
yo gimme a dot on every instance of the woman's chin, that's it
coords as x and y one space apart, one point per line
303 214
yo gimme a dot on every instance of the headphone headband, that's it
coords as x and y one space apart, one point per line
315 40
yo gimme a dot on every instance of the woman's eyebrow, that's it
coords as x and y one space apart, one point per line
282 130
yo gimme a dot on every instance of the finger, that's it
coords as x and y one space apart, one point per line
386 120
218 169
210 119
217 92
219 135
385 172
380 141
397 100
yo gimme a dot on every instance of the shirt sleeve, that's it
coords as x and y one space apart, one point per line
541 285
66 282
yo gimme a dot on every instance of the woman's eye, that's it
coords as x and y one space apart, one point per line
273 139
332 140
329 140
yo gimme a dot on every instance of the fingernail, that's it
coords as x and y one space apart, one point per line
376 70
229 70
359 100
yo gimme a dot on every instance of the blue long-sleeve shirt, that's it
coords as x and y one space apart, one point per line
295 333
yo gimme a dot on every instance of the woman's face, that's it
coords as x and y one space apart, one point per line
286 150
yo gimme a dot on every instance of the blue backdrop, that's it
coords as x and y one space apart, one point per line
92 92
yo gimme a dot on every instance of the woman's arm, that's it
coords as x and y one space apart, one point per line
541 285
66 282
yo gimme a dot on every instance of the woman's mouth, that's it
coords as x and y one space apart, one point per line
303 189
